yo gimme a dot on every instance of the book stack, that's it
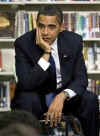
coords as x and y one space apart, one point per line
86 24
91 53
4 94
7 60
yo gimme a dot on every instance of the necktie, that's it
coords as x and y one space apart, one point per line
53 67
50 96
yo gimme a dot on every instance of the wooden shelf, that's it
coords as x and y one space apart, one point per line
7 39
65 5
6 76
94 72
91 39
4 109
6 73
51 2
12 3
7 42
62 2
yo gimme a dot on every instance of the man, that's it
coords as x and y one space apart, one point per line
37 81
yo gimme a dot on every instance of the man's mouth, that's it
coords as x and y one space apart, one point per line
46 39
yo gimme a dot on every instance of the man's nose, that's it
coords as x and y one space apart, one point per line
45 30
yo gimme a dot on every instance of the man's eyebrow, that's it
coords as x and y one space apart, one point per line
40 23
52 25
48 25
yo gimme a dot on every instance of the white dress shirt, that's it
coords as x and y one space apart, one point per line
44 64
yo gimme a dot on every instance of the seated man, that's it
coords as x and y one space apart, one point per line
52 77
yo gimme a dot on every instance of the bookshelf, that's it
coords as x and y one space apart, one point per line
7 71
29 6
6 76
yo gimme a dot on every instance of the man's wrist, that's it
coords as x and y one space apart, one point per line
67 95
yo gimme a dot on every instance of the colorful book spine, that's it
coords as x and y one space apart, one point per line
30 21
26 22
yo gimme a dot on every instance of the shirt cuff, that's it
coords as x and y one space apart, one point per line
70 92
43 64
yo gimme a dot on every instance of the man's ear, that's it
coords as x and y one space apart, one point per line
62 27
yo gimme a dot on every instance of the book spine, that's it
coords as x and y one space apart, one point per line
30 21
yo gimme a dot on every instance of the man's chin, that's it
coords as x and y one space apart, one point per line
48 42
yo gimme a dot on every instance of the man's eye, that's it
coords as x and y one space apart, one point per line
52 27
41 26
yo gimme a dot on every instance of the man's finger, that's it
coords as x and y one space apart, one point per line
56 120
52 120
59 117
47 118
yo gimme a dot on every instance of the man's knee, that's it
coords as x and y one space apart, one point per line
90 101
29 102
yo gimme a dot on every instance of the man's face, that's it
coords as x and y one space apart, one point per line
49 28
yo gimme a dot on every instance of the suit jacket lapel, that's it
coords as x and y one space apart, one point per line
65 54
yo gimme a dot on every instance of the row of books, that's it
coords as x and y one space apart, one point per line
7 89
91 52
13 24
84 23
94 86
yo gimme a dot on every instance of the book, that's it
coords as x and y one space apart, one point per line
4 94
8 60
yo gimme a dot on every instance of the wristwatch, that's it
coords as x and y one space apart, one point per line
67 94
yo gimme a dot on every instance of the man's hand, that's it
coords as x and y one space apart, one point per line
54 113
39 41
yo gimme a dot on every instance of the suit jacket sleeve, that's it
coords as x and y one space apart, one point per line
30 74
79 80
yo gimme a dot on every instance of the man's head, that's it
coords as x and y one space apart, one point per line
19 129
49 21
51 10
21 117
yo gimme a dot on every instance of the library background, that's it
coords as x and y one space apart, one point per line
19 16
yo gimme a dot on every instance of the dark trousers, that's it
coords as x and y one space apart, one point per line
86 109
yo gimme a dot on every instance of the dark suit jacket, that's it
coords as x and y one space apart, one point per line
31 77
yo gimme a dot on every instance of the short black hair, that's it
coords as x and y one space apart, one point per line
19 129
18 116
51 10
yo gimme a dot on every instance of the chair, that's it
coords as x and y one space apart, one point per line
69 126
